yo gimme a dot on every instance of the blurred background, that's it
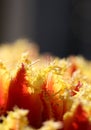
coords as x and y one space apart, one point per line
62 27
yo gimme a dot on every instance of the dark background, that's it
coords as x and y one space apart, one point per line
62 27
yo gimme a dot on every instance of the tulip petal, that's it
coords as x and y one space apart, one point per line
18 95
78 120
4 85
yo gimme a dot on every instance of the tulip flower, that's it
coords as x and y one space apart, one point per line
37 90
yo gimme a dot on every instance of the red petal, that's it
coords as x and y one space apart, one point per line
55 103
79 121
20 96
4 85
